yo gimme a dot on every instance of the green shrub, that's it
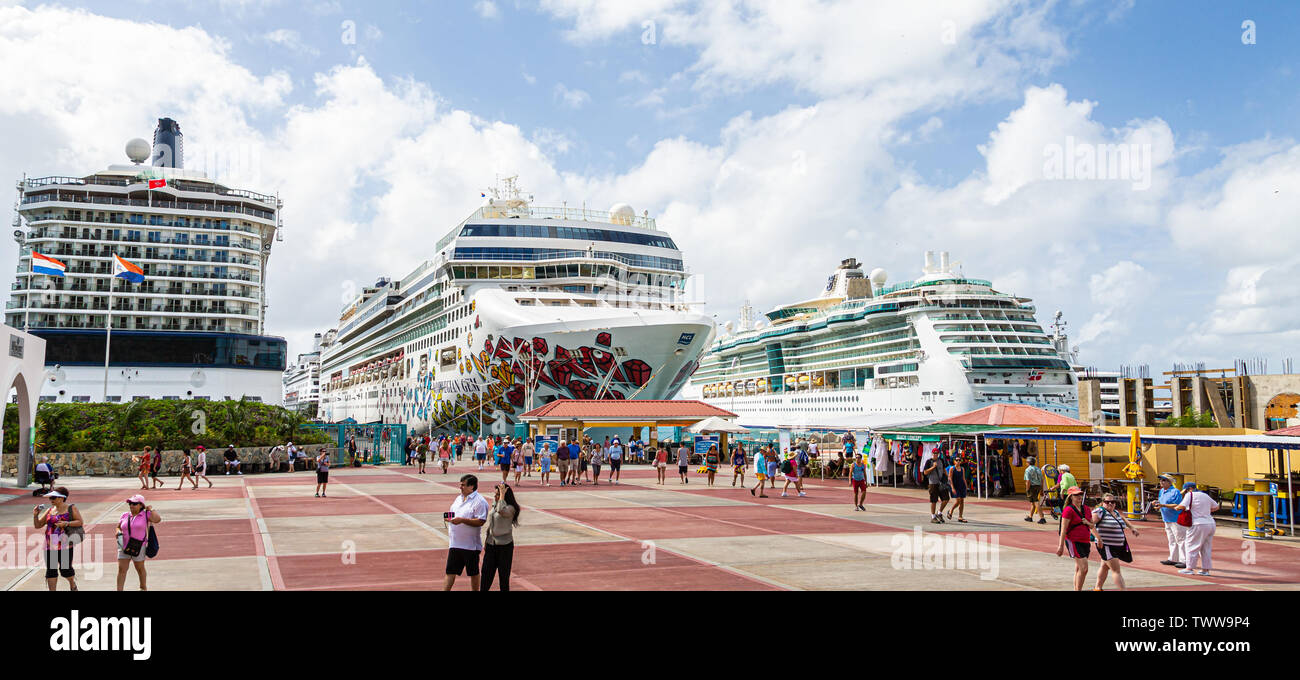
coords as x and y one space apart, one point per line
62 428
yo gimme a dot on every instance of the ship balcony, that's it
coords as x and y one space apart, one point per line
220 209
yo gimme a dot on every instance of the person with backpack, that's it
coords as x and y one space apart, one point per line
133 539
790 468
773 465
201 467
1076 529
1034 490
187 470
938 486
1200 533
1167 502
1112 543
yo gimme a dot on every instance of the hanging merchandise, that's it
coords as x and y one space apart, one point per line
1015 453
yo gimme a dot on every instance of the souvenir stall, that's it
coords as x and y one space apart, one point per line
909 451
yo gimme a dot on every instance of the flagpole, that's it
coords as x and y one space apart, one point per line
108 336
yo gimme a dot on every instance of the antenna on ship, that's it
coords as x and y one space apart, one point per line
746 316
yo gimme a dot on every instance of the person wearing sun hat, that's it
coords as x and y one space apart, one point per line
134 525
57 520
1076 530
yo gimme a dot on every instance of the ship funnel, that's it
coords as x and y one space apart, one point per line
168 145
943 262
929 262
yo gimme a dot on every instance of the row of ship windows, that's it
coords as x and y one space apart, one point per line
579 233
116 398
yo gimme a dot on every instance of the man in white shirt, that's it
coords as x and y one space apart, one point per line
480 452
468 514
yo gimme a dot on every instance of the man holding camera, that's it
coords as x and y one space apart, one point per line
465 519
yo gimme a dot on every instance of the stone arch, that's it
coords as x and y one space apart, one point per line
22 369
1281 408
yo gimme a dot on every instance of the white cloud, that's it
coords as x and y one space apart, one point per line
530 79
574 99
291 40
487 9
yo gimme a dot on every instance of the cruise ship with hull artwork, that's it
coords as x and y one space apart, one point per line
862 354
521 305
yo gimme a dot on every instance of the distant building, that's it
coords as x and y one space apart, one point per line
1235 398
302 380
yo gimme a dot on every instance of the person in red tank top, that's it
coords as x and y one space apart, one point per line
1076 530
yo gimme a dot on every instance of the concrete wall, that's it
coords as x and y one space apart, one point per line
1260 389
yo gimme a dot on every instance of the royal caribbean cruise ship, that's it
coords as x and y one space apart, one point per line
520 305
863 354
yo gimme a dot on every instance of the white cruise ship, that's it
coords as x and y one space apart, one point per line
520 305
194 328
862 354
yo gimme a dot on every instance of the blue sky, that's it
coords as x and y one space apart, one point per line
766 135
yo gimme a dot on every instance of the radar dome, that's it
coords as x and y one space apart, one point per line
622 213
138 150
878 277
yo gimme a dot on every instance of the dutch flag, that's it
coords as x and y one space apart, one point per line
44 264
125 270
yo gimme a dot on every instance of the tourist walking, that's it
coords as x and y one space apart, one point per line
1112 543
146 464
480 451
790 468
1034 490
499 545
503 452
575 452
760 472
517 460
468 514
1200 535
937 485
773 463
187 470
738 463
421 456
201 467
584 461
156 466
1076 529
562 461
59 520
444 457
597 458
322 472
957 485
294 453
530 452
683 462
1176 534
711 462
133 537
544 456
858 478
661 461
615 455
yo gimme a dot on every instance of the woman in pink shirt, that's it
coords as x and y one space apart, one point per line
134 526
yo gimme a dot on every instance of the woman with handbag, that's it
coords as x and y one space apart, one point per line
1195 514
61 522
133 532
1112 543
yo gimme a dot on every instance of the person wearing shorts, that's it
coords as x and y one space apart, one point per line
480 452
661 462
1034 490
858 477
134 524
772 465
517 460
468 514
1076 528
957 482
544 457
529 452
934 475
760 471
201 467
322 473
683 461
615 456
738 464
793 477
504 452
597 458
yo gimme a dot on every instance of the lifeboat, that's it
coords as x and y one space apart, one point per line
791 381
803 381
819 380
762 385
751 387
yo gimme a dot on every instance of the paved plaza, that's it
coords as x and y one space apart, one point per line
382 529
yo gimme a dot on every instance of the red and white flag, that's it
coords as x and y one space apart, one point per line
157 183
1035 375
